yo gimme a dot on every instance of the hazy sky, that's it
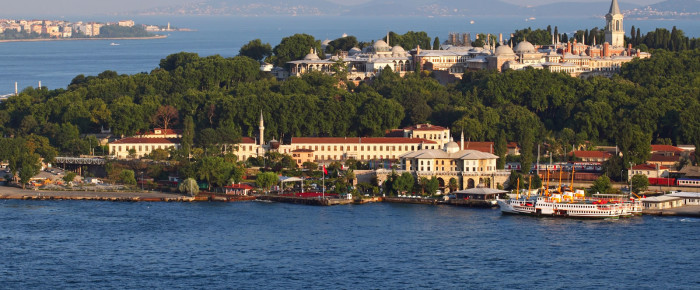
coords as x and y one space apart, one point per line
57 8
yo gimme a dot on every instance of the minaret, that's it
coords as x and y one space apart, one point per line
262 129
614 30
461 142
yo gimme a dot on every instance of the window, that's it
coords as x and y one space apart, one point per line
316 148
355 148
120 148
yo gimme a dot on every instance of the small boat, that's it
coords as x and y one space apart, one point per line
114 44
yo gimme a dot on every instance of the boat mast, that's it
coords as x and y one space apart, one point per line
529 187
546 190
560 179
573 170
517 194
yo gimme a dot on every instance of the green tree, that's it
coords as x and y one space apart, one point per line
189 186
639 183
436 43
295 47
342 44
188 134
432 186
127 177
29 166
453 184
601 185
256 50
70 176
266 180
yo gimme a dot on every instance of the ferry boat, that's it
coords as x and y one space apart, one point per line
554 206
563 203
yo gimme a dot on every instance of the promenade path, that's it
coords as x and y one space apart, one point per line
7 192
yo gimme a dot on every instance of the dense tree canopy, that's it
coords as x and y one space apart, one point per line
219 100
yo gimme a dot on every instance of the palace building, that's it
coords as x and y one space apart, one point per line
457 57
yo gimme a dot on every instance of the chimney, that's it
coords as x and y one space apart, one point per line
629 49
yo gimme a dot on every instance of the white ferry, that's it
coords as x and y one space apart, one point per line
554 206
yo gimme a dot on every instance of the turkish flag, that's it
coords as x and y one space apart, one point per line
325 172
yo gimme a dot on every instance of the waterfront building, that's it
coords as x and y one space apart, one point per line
126 23
662 202
329 149
143 144
468 168
648 170
591 156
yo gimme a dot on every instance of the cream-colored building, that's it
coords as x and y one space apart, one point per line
468 168
648 170
141 146
144 143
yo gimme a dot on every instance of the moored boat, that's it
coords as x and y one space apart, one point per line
554 207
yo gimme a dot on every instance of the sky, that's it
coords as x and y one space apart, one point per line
58 8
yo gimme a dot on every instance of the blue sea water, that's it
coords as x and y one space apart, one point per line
56 63
253 245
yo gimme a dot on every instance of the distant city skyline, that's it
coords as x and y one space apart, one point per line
79 7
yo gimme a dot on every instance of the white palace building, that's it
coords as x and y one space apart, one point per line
573 58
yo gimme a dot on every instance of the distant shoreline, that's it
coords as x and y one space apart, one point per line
84 38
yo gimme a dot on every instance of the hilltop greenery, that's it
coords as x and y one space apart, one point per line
219 99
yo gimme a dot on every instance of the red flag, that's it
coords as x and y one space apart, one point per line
325 172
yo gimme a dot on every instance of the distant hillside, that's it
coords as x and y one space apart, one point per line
435 8
666 9
250 8
669 9
677 6
576 9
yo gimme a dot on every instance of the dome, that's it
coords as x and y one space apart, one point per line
397 51
311 56
274 144
354 51
381 45
525 47
504 50
451 147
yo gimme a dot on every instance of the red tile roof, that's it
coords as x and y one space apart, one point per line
648 167
247 140
138 140
665 148
162 131
486 147
239 186
512 145
663 158
394 133
356 140
590 154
